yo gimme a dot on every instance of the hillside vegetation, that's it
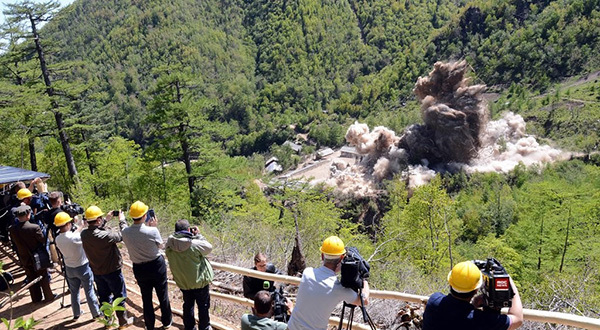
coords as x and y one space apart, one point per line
178 103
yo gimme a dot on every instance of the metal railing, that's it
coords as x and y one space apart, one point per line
528 314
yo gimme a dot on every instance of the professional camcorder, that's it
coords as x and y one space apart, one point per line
496 288
72 209
355 269
280 309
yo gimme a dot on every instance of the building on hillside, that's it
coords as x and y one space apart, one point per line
272 165
296 147
324 153
349 152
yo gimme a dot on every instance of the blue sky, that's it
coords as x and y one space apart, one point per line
2 6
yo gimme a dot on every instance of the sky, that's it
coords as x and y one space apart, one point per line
2 6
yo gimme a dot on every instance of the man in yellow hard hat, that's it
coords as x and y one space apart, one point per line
77 268
143 243
100 246
320 291
458 310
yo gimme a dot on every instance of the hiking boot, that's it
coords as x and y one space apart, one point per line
128 322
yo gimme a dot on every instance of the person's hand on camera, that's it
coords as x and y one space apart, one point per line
194 230
109 216
152 222
478 301
289 304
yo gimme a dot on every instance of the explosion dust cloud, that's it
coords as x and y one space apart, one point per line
456 135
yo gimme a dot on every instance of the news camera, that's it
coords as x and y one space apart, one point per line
354 270
72 209
496 288
280 309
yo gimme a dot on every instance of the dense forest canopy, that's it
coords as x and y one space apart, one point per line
178 103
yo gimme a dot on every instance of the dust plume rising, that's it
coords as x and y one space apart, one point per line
454 114
455 135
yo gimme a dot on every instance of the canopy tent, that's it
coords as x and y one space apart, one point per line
9 174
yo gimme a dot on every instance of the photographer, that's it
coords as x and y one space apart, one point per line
263 310
143 243
456 311
77 268
320 290
252 285
100 245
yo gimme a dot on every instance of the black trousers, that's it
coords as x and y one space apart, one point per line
201 298
153 275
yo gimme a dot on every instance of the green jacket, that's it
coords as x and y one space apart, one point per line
187 259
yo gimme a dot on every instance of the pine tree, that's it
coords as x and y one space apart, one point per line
35 14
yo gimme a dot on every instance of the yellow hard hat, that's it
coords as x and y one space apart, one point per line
61 219
465 277
93 212
23 193
137 210
333 245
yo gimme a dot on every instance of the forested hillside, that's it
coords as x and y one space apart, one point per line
178 103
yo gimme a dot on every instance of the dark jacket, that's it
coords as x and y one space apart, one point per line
252 285
27 237
100 246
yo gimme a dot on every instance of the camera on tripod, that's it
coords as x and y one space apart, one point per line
72 209
280 309
355 269
496 288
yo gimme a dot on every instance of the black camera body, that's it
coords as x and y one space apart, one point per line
496 288
280 309
72 209
354 270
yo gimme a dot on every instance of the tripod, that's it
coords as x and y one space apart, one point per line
366 316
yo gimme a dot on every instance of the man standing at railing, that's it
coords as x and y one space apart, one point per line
455 311
252 285
143 241
320 290
187 251
100 245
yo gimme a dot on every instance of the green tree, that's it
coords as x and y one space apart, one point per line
34 14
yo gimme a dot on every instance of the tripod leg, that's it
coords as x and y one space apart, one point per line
342 317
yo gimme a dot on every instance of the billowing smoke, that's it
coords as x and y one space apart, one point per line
454 114
455 135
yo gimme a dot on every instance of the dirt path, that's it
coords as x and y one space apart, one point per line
53 316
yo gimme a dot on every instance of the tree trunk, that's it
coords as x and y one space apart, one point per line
562 260
185 148
89 159
64 139
539 265
32 158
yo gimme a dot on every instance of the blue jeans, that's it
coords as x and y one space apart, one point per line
153 275
202 298
76 278
114 284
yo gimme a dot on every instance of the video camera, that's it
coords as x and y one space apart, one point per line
355 269
280 309
72 209
496 289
